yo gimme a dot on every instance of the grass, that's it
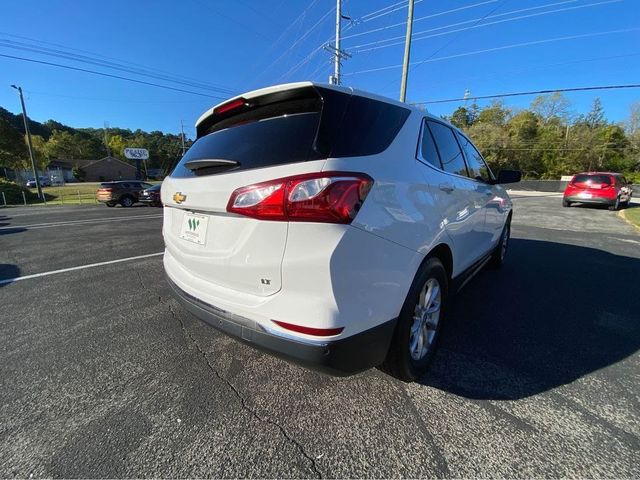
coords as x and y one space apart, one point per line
632 215
69 194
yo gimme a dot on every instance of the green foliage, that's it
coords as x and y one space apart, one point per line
13 193
13 151
54 141
543 141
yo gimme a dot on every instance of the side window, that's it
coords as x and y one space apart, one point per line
428 152
450 154
478 169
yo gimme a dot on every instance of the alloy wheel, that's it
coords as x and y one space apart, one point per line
425 319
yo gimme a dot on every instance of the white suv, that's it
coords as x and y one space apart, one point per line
330 226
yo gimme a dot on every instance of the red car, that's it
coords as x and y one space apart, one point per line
600 188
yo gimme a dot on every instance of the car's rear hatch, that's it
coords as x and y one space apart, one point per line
106 191
251 140
259 137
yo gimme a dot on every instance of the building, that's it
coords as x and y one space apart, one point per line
105 169
64 171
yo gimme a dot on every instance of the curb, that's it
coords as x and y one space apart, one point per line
624 217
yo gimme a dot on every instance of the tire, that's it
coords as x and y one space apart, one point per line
500 252
627 203
615 206
110 204
126 202
566 203
400 362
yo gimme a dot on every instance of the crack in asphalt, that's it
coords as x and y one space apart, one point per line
443 464
243 402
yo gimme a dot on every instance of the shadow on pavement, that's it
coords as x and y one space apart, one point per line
7 271
553 314
4 226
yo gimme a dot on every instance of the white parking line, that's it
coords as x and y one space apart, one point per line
80 267
78 222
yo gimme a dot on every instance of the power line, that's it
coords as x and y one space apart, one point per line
103 74
97 56
533 92
506 20
368 18
526 68
237 22
439 14
294 44
291 25
384 8
456 24
494 49
107 64
107 100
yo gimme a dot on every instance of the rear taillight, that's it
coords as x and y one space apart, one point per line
329 197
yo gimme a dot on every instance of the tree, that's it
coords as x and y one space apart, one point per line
494 114
13 151
595 117
117 144
462 118
551 106
40 151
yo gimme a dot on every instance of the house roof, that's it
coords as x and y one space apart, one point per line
108 159
81 163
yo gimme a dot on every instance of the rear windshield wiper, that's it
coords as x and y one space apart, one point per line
210 162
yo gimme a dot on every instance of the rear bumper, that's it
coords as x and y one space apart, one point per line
342 357
593 200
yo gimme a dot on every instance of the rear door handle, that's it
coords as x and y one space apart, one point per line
446 187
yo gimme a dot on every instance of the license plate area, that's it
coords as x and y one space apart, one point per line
194 228
585 195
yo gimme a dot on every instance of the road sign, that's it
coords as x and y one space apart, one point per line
136 153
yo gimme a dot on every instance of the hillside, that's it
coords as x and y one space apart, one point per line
53 140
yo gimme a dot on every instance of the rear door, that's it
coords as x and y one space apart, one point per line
486 194
455 193
240 146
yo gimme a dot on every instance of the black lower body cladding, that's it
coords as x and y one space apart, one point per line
341 357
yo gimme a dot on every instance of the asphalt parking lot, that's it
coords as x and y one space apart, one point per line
105 375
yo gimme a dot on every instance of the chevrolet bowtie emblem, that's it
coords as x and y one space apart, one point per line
179 197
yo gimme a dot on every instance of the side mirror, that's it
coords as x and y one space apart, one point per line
509 176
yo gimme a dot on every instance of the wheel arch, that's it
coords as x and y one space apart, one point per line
443 252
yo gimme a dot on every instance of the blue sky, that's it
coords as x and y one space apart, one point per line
235 46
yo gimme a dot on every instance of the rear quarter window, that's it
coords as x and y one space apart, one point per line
368 127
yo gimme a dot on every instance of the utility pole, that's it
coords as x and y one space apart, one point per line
28 132
334 50
106 138
182 136
407 54
336 59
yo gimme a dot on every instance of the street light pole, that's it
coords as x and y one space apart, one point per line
29 145
407 54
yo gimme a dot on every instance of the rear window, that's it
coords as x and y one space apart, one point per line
601 179
314 123
264 143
